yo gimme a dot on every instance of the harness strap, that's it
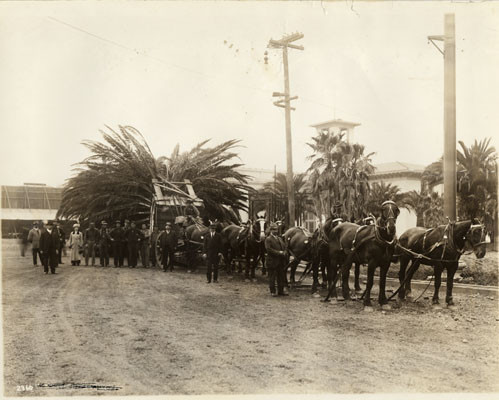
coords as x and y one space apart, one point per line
355 237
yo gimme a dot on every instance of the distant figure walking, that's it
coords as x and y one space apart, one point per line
49 243
75 244
34 239
23 240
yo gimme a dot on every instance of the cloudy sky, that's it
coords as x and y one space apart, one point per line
183 72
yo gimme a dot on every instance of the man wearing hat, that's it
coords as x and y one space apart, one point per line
212 248
276 261
117 237
62 239
145 245
90 238
168 243
34 239
49 244
104 240
191 212
134 238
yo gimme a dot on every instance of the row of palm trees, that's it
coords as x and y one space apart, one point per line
337 182
116 181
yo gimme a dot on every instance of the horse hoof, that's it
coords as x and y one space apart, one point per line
386 307
368 309
316 295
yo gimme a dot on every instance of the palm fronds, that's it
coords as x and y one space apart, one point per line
116 180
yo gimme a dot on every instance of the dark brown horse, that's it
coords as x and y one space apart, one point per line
194 236
441 248
312 248
234 242
369 244
255 247
246 242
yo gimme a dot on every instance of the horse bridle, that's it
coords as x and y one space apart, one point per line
467 237
251 231
391 213
381 222
483 235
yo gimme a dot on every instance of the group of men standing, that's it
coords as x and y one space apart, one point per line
130 242
127 242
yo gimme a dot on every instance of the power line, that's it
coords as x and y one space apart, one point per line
169 64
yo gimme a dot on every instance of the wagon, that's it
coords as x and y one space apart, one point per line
169 204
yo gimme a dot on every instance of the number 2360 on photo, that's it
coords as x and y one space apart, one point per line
24 388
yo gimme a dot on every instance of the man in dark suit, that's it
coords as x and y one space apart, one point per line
212 248
91 240
104 241
276 261
117 239
62 240
49 245
168 243
134 238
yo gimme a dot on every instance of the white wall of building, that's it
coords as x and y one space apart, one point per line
407 219
405 184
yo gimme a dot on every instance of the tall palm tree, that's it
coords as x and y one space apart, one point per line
476 181
339 175
427 205
279 189
116 180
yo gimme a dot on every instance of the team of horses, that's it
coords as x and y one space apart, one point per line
335 245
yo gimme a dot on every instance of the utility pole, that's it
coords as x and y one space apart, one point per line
449 53
285 102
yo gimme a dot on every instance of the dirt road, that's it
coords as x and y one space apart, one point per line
90 330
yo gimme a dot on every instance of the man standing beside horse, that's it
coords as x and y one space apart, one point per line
212 249
276 261
168 243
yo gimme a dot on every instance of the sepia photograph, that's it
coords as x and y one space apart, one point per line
282 199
